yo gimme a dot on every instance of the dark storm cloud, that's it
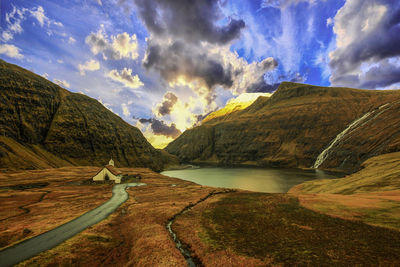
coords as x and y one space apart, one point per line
187 40
179 59
145 120
381 76
159 127
262 86
168 103
193 21
375 44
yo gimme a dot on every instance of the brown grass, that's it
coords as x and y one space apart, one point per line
253 229
135 234
234 229
42 209
371 195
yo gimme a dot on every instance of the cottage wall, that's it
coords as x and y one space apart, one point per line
102 174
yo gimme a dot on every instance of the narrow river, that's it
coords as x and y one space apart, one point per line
35 245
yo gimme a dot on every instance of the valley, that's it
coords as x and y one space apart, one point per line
52 142
293 126
221 227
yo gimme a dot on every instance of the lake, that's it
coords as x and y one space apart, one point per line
254 179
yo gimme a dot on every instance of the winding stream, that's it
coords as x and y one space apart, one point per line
184 251
35 245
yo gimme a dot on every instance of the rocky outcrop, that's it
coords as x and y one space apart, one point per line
43 125
290 129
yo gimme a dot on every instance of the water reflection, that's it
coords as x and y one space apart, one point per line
253 179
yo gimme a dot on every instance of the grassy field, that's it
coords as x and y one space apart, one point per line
231 229
134 234
255 229
371 195
33 202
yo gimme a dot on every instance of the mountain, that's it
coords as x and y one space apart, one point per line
293 126
378 174
239 103
43 125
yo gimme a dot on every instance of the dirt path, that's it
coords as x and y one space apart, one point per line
50 239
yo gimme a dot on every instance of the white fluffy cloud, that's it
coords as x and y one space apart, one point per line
38 13
367 50
125 77
14 19
90 65
116 47
62 83
11 51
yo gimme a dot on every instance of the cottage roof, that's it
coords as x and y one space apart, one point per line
113 170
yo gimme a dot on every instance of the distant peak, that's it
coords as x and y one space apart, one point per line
238 103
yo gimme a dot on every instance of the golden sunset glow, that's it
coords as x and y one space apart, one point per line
239 103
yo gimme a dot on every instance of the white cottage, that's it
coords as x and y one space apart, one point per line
109 172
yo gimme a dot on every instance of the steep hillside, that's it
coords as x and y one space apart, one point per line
43 125
378 174
292 127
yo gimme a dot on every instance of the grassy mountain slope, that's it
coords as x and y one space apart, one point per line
239 103
43 125
289 129
370 195
379 173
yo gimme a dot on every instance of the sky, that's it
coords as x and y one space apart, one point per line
163 65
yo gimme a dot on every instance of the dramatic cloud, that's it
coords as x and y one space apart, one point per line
192 21
62 83
125 77
179 59
189 45
116 47
367 44
14 19
11 51
159 127
165 107
90 65
204 67
200 59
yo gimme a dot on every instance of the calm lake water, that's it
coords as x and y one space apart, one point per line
254 179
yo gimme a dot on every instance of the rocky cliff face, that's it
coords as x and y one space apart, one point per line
43 125
291 128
